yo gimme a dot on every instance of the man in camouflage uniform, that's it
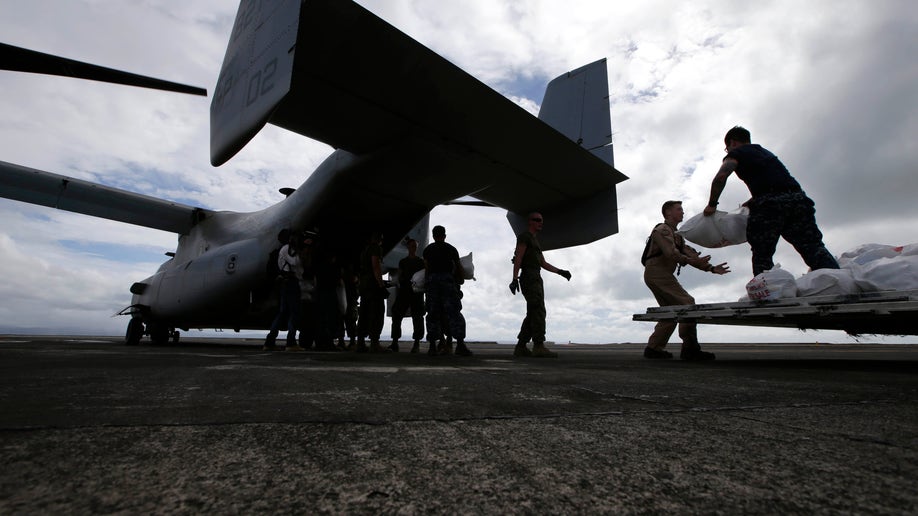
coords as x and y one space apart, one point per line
528 263
665 254
778 208
442 278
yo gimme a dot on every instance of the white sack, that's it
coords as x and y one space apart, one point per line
774 283
467 266
866 253
899 273
417 281
827 282
718 230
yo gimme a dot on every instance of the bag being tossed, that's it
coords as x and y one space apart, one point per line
718 230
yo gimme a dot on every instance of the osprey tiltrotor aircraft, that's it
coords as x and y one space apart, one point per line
411 131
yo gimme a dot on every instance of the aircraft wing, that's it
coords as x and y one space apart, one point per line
44 188
333 71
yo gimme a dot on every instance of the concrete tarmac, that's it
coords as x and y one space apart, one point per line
88 425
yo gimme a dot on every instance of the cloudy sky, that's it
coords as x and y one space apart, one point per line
829 86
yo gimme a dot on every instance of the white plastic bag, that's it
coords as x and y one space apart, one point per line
719 230
827 282
866 253
467 266
417 281
899 273
772 284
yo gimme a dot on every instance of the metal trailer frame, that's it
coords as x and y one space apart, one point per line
871 313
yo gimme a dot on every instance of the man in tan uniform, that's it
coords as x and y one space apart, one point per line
665 254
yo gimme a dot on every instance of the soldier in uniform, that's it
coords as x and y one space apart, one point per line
373 295
778 208
442 278
290 269
407 299
528 263
666 253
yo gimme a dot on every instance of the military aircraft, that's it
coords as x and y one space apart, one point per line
410 131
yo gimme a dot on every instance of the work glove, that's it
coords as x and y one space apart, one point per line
564 274
514 286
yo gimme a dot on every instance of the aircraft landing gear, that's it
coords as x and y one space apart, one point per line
159 335
134 332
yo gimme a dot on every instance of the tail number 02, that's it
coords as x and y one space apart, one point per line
261 82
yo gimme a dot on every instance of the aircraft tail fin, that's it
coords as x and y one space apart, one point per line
576 104
255 75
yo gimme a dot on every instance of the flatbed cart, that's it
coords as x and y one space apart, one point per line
871 313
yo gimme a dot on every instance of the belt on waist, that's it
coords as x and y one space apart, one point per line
782 191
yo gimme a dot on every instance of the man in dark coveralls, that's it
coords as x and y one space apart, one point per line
778 208
667 253
528 263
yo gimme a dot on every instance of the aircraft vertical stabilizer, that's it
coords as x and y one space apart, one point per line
577 105
255 76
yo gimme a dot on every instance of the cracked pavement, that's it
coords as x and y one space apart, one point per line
88 425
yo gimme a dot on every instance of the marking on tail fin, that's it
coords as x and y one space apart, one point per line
255 76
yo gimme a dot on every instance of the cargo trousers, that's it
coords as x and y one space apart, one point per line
668 291
791 215
533 327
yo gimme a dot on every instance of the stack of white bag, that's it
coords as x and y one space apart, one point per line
867 268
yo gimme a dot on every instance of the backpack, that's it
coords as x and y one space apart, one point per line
644 255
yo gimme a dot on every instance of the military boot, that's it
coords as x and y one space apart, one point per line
691 350
376 348
521 350
540 351
695 354
461 349
416 347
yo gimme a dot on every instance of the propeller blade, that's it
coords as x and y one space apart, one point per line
19 59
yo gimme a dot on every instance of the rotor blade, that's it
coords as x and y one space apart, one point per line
469 203
19 59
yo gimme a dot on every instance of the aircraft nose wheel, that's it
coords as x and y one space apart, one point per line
134 332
